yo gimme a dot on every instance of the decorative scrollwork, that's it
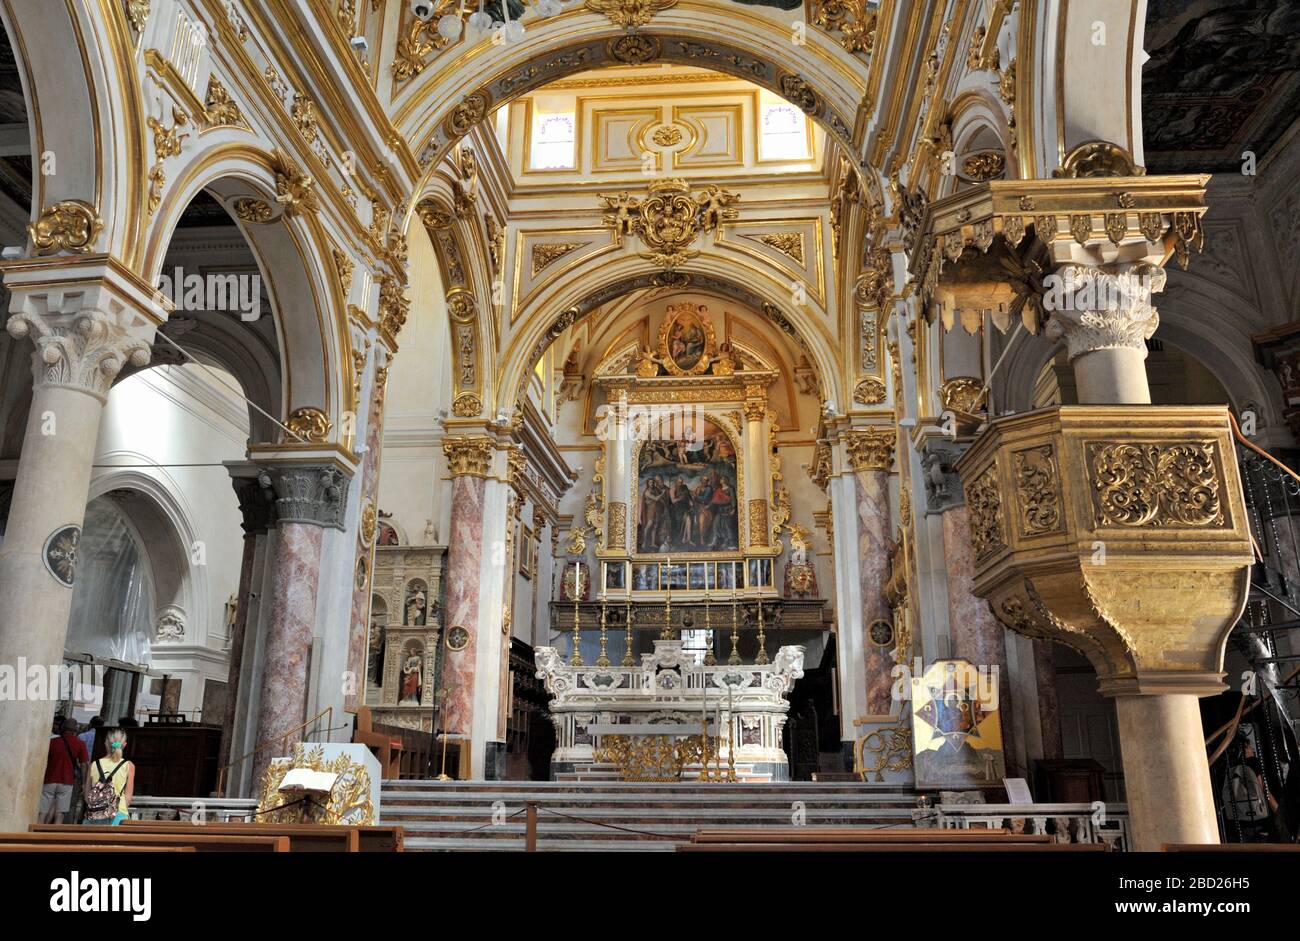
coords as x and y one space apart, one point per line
1158 484
987 532
1038 494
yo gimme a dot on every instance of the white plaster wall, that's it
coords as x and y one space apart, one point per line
176 425
413 473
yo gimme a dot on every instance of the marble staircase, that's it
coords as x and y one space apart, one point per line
606 816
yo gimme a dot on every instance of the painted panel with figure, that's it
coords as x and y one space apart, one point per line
687 494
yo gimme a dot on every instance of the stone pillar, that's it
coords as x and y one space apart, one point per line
1166 775
308 498
257 509
977 635
618 476
82 340
758 478
469 458
1105 316
870 454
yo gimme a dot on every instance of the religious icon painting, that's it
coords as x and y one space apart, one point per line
687 494
615 576
645 577
687 344
956 726
760 573
697 575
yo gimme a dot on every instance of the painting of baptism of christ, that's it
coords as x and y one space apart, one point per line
686 492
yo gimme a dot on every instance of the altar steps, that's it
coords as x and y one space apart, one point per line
650 817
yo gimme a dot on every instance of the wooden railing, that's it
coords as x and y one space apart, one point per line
280 741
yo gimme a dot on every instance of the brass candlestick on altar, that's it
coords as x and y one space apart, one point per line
709 658
762 638
603 659
627 643
734 659
576 658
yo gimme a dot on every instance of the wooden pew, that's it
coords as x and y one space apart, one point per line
90 848
108 836
302 839
369 839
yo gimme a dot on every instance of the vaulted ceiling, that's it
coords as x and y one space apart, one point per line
1223 79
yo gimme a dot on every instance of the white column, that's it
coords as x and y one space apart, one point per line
82 340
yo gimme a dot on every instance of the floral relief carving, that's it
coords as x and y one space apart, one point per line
984 501
1156 483
1038 494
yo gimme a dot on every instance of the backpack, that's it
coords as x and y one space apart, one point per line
102 802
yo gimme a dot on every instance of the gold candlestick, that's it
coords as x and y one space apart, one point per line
603 659
762 638
709 658
576 658
734 659
627 644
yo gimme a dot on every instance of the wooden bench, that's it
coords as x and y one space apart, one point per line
108 836
303 838
368 839
90 848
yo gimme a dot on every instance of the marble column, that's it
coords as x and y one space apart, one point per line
870 453
469 458
618 478
257 511
308 498
1105 315
977 635
77 357
758 478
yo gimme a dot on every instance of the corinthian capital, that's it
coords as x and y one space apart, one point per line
468 455
870 449
84 350
1103 308
307 493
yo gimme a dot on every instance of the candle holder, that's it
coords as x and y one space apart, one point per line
734 659
762 638
667 632
628 660
575 658
709 658
603 659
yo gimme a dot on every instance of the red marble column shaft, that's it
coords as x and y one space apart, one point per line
873 569
296 555
464 561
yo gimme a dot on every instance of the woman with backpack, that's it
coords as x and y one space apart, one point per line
110 782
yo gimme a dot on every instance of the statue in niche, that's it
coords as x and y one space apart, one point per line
800 575
378 643
416 606
412 677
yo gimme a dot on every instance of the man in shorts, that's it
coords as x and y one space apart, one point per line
66 762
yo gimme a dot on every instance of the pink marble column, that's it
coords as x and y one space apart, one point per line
1049 704
871 453
468 459
296 553
308 499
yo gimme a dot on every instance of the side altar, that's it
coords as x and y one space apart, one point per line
670 717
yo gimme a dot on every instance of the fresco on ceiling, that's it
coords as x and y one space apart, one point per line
1223 78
